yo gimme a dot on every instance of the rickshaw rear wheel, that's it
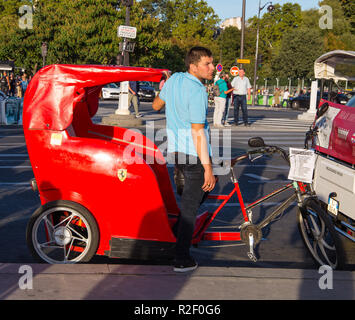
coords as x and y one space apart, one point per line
319 235
61 232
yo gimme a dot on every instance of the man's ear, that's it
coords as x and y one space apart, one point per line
192 68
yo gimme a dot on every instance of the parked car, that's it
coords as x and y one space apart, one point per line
146 92
350 94
303 100
351 102
111 91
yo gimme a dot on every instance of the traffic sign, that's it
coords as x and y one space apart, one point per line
127 46
243 60
127 32
234 71
219 67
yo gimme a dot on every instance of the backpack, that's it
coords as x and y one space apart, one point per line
215 90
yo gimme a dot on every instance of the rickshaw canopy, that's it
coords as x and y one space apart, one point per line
325 67
55 90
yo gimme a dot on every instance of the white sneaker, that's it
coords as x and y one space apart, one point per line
226 124
139 115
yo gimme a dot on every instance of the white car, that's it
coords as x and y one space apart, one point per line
110 91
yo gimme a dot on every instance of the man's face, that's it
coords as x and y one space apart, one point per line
204 69
241 73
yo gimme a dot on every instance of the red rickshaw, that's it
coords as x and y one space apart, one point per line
106 190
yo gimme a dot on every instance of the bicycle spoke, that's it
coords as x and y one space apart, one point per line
82 238
71 216
49 244
321 247
66 254
48 223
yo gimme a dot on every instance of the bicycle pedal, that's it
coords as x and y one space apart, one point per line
252 257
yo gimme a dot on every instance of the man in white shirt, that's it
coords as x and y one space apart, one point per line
242 87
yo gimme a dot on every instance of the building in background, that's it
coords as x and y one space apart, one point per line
232 22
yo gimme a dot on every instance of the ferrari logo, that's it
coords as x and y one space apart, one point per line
122 174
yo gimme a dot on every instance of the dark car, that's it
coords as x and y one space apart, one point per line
303 100
146 92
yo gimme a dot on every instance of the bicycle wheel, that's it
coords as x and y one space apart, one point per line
62 232
319 235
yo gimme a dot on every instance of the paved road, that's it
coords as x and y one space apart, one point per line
283 246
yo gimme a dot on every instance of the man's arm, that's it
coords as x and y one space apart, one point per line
158 103
201 146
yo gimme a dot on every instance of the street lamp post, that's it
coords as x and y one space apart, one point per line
270 9
242 35
128 5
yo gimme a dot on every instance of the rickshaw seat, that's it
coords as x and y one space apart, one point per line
82 126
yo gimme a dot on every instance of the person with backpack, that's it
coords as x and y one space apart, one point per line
220 90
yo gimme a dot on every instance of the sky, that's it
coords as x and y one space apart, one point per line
233 8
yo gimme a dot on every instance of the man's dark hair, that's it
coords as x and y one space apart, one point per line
195 54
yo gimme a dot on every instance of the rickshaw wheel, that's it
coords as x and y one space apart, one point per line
62 232
319 235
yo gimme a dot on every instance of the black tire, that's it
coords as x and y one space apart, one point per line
57 227
319 235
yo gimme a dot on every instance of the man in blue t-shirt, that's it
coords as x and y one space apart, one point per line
185 99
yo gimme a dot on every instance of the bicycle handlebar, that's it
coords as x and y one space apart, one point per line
263 150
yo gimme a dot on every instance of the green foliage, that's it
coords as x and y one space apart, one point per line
85 32
299 49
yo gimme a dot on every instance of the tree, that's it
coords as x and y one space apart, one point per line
299 49
341 35
273 26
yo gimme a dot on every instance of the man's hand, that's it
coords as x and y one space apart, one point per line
210 179
158 103
200 143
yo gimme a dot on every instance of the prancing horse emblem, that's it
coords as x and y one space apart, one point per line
122 174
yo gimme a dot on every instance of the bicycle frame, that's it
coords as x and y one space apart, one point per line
206 219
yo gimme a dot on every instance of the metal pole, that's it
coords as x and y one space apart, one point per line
256 54
242 36
126 53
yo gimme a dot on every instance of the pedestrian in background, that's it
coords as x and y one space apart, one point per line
133 97
220 101
12 85
285 97
24 84
18 87
5 83
242 88
277 97
228 102
186 104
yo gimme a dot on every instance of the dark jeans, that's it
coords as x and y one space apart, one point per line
191 199
240 101
226 111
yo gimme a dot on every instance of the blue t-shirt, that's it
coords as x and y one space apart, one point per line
186 102
24 84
